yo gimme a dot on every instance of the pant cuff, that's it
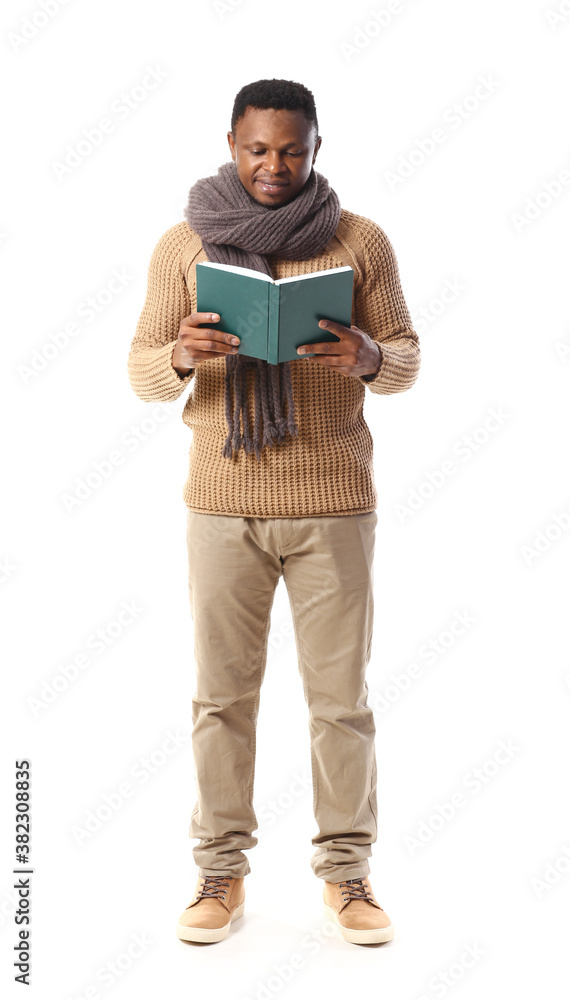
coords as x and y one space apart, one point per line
241 873
344 874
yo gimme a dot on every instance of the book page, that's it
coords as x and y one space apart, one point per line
236 270
313 274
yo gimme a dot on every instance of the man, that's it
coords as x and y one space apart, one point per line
280 484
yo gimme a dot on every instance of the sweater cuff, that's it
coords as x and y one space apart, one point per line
152 376
398 369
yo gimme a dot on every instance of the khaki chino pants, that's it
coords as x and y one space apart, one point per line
234 565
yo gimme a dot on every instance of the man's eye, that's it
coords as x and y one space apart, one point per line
259 152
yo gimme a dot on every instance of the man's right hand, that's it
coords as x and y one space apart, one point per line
196 343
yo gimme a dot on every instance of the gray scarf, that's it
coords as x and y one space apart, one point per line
237 229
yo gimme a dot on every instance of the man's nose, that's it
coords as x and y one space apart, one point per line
273 162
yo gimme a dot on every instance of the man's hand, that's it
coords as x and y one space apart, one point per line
196 343
354 354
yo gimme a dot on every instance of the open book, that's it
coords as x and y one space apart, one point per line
271 317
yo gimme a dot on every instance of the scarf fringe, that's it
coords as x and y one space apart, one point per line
274 403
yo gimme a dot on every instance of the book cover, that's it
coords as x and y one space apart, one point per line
273 317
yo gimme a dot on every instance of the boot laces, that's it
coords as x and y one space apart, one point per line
215 886
356 889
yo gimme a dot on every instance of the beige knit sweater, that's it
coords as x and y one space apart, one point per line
327 469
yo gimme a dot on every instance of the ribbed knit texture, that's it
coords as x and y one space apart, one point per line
327 469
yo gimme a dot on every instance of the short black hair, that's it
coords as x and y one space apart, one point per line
276 94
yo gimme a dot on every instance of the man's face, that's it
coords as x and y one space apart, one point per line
274 146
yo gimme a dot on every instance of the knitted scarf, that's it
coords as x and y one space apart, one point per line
235 228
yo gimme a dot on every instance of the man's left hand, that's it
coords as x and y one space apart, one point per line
354 354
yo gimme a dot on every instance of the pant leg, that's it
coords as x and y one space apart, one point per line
232 576
328 571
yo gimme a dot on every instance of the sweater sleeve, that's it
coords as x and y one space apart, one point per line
381 311
149 363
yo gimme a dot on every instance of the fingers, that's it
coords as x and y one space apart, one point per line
336 362
196 318
343 363
201 343
330 347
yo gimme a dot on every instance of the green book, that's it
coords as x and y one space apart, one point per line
272 317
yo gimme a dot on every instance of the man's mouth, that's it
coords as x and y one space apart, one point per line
272 186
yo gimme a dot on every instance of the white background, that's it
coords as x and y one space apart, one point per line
494 876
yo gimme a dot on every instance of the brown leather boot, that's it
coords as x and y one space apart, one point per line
219 899
353 906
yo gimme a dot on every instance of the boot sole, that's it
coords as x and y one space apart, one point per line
209 934
372 935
